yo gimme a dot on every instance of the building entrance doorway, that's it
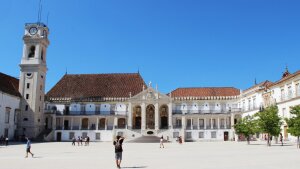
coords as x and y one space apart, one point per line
66 125
136 118
226 136
58 136
164 117
150 116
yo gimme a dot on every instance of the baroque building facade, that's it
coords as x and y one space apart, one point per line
104 105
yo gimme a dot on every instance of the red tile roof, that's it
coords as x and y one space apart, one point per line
83 86
205 92
9 84
263 84
285 78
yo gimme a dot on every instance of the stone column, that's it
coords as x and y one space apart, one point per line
183 128
115 122
105 123
143 106
232 129
225 123
218 122
170 115
72 123
192 126
156 114
97 124
211 123
63 123
129 119
80 121
198 124
204 123
88 123
232 120
183 122
54 122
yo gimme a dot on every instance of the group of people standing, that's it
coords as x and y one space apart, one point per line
80 140
4 141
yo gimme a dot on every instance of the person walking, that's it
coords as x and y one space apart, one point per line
118 150
81 140
6 141
73 141
281 139
88 140
78 140
28 147
161 142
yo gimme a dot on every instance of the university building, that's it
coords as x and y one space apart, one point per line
102 106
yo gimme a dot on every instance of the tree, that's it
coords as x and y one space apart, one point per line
246 126
294 123
269 122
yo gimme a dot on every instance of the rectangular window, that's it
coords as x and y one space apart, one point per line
222 124
84 134
28 85
98 108
27 96
98 136
214 123
249 104
201 123
7 114
188 135
175 134
290 92
201 134
6 132
82 108
282 95
71 135
120 134
297 89
283 112
213 134
26 108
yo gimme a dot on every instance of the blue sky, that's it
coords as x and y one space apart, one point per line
174 43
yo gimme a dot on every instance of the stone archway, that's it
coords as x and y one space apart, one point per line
137 118
121 123
101 125
163 114
85 124
150 117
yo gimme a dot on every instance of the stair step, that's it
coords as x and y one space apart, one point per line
146 139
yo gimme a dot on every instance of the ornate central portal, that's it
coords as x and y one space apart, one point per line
150 117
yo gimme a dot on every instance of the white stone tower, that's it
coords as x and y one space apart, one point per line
32 79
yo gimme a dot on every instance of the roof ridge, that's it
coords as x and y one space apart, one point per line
103 74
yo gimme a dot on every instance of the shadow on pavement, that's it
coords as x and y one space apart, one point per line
136 167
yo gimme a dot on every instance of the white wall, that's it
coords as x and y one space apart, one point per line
12 102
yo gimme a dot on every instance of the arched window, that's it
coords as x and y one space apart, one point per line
31 52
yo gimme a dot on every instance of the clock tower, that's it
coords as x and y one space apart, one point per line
33 70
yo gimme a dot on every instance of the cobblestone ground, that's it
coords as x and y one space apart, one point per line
198 155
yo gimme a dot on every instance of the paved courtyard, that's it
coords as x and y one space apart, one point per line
206 155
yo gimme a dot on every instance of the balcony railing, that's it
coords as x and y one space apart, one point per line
104 113
209 111
290 95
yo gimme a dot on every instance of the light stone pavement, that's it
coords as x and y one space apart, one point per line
198 155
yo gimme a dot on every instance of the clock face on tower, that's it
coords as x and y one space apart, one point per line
33 30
